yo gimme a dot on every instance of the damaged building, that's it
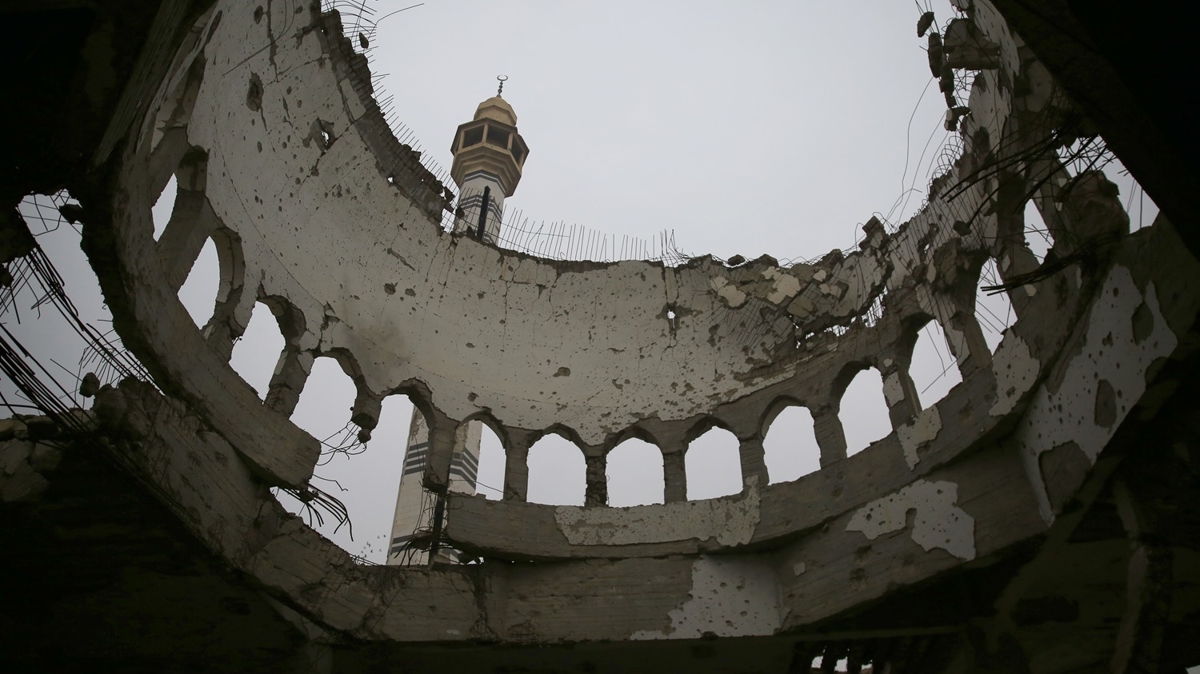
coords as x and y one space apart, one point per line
1041 517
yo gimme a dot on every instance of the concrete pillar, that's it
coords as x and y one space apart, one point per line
597 480
441 453
291 373
830 436
516 466
366 411
978 356
165 159
752 454
674 474
904 404
954 310
192 220
1010 250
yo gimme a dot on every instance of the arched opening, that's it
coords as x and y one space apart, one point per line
713 465
363 481
470 451
841 665
994 311
373 479
864 411
557 472
1037 236
492 458
933 369
790 445
256 353
407 433
199 292
1141 208
325 403
160 213
634 471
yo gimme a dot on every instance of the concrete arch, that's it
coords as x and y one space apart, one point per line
774 409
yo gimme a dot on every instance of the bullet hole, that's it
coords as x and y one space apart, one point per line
254 95
322 132
1106 404
389 288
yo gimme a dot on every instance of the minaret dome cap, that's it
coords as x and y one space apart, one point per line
498 109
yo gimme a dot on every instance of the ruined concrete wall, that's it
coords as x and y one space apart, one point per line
317 209
314 219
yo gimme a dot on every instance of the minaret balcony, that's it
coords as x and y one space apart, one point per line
492 146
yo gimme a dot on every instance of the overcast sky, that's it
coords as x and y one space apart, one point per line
744 128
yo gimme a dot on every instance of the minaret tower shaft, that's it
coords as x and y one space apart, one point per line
489 154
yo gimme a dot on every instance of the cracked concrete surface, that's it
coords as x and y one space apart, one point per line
728 522
267 118
938 521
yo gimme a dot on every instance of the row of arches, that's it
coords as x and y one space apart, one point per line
557 473
634 469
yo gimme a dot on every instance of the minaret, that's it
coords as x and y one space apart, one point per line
415 514
488 156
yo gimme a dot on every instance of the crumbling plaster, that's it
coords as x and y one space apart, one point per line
196 473
338 227
728 598
938 521
327 217
349 245
1103 378
327 230
727 522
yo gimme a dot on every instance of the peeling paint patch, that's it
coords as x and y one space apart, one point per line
1015 369
728 292
919 432
729 598
1112 361
893 390
799 568
784 288
730 521
939 522
1103 381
